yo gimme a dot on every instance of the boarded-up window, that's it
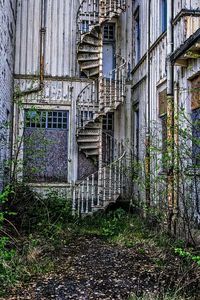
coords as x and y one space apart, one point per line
46 146
195 93
162 99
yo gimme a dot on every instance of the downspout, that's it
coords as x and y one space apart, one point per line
170 116
148 138
41 53
29 91
12 104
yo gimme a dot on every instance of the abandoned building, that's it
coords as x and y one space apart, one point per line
96 84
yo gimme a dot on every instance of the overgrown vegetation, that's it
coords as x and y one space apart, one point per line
34 229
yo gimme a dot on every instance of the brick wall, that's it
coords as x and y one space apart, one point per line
7 39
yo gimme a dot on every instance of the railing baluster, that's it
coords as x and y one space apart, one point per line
93 190
87 196
74 201
104 185
89 12
82 197
105 92
79 200
119 176
110 89
115 88
110 182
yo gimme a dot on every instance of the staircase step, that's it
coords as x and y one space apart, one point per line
87 57
87 140
92 72
87 49
87 146
90 40
90 65
93 126
89 133
91 152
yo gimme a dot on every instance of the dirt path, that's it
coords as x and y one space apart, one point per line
89 268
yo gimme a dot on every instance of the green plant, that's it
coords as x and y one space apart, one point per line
7 253
185 254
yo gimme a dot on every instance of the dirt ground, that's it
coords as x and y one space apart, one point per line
91 268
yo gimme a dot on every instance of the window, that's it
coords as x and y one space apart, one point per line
85 26
109 32
46 119
137 133
196 137
137 35
45 146
163 15
108 122
195 106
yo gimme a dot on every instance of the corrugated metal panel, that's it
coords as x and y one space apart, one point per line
60 38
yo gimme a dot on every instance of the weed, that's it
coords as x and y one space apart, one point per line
188 255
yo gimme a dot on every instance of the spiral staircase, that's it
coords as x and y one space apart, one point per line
100 96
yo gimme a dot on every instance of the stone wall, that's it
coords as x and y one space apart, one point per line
7 41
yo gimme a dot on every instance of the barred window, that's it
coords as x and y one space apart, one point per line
46 119
109 32
108 122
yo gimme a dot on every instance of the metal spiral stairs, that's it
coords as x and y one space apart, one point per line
99 97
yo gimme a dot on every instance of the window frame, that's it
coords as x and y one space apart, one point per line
59 119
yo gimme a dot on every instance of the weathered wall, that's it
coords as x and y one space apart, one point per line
185 24
60 37
7 36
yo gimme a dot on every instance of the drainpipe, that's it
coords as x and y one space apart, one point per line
41 53
170 116
29 91
148 139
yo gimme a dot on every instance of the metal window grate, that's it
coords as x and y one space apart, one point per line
108 122
46 119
